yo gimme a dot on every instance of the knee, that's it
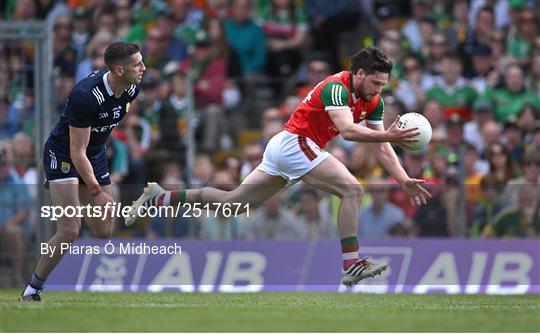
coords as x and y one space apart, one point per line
352 192
68 235
102 234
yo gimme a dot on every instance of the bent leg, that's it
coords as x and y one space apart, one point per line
63 194
333 177
101 228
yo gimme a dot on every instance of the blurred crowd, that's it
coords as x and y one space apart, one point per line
471 67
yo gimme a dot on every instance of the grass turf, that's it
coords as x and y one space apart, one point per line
269 312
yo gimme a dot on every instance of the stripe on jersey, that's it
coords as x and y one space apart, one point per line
131 90
98 95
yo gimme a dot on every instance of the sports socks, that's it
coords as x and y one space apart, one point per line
167 199
349 251
36 284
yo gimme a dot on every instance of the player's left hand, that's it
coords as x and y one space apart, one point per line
417 194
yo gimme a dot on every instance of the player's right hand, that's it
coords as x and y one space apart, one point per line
401 136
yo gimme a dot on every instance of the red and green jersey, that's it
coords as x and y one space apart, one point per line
311 117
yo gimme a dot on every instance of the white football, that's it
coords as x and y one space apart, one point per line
415 120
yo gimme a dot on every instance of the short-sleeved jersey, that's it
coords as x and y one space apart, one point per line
92 104
311 117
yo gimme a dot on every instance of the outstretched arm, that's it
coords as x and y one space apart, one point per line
389 160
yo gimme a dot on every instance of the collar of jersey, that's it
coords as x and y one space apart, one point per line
106 83
352 88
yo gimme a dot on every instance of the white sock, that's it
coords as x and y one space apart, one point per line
29 291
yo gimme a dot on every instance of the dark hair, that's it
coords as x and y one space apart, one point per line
451 56
371 60
488 9
118 52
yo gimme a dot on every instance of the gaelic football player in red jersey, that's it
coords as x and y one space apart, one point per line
335 106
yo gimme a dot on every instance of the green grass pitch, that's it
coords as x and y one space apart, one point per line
268 312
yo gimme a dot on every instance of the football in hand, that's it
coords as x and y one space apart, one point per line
415 120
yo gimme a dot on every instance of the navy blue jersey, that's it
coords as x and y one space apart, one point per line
92 104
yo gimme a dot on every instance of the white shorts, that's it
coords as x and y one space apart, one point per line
291 156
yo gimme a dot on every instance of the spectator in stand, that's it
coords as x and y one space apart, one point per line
253 154
104 18
246 38
411 29
275 221
24 162
392 108
510 99
363 162
233 164
122 17
138 137
318 68
188 19
526 119
484 73
271 115
219 226
285 25
533 82
473 175
151 103
520 44
81 31
460 24
176 49
223 50
513 141
249 42
390 44
437 47
489 206
328 19
155 52
411 90
314 215
433 111
478 34
482 114
95 51
65 56
500 163
387 19
14 223
438 218
522 221
491 134
203 171
531 175
172 123
377 219
451 90
209 73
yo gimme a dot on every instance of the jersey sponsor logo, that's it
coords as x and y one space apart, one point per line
363 114
105 128
65 168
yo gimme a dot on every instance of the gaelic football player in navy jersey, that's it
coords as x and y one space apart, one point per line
74 156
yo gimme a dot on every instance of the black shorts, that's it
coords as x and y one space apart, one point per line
58 165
